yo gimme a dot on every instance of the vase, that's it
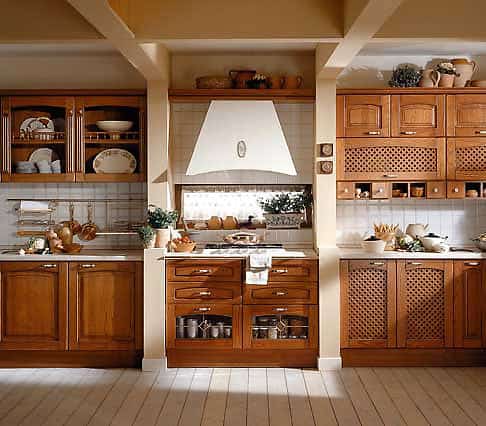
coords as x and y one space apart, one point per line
446 80
162 238
149 244
465 69
430 78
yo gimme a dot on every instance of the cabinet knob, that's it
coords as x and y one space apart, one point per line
205 309
204 293
408 133
49 265
280 293
281 309
435 190
374 132
88 265
380 190
346 190
455 190
280 271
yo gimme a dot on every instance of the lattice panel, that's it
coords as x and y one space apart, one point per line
425 304
367 300
399 159
471 159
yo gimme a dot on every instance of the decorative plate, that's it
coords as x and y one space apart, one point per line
35 123
114 160
46 154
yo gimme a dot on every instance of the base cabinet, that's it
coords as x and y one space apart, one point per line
33 306
71 314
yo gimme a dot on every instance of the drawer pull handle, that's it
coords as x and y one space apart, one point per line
415 263
88 265
408 133
435 190
373 132
455 190
481 132
204 293
280 271
280 309
203 271
377 263
49 265
280 293
472 263
390 176
202 309
346 190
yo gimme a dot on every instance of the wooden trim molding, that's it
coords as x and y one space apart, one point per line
411 91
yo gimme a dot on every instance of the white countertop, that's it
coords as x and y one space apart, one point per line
288 253
84 256
358 253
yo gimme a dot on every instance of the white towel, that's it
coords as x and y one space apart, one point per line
257 269
41 206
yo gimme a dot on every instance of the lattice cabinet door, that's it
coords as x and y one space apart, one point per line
469 304
425 304
368 304
466 159
391 159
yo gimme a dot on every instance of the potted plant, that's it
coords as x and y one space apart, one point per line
447 73
147 236
405 76
285 211
161 221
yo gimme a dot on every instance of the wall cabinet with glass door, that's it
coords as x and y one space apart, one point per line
53 138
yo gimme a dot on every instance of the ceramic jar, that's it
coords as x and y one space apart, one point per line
465 70
446 80
162 238
430 78
274 82
215 223
293 82
230 222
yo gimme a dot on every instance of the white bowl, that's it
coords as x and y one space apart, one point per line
373 246
114 125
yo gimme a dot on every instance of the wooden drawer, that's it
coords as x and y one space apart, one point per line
466 115
201 292
293 270
466 159
204 270
456 189
436 189
390 159
345 190
273 293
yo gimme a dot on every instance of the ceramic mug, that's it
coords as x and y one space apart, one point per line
293 82
430 78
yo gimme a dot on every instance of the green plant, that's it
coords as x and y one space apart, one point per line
159 218
405 76
446 68
146 234
286 202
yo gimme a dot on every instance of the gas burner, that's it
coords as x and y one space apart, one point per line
223 246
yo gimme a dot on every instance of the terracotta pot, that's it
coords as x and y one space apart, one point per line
446 80
274 81
215 223
230 222
465 69
430 78
162 238
240 77
293 82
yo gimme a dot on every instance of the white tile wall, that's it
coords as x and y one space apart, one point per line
297 121
460 220
104 214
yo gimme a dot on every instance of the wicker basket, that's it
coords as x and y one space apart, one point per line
184 247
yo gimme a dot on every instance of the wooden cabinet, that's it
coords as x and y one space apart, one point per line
466 115
38 127
363 116
293 270
33 308
417 116
425 304
368 304
197 292
469 304
204 270
390 159
105 302
466 159
280 327
293 293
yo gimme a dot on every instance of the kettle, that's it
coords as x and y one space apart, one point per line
416 230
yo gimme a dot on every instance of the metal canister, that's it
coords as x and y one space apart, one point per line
192 327
180 327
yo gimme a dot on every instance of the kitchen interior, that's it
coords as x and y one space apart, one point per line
196 207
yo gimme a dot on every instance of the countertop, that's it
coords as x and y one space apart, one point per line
288 253
84 256
358 253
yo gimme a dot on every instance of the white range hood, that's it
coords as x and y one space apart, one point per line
241 135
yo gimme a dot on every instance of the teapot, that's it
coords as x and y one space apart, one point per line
416 230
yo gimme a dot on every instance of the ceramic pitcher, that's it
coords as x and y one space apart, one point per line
465 69
430 78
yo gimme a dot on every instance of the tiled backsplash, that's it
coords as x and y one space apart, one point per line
297 122
460 220
104 214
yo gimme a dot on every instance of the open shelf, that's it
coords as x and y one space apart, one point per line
282 95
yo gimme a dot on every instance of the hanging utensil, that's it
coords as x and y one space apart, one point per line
89 229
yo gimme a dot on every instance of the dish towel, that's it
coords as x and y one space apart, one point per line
257 268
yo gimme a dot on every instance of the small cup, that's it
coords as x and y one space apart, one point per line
44 166
56 166
214 331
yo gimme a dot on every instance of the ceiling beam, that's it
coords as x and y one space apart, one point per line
150 60
362 20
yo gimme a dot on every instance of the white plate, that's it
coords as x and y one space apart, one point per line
114 160
35 123
43 154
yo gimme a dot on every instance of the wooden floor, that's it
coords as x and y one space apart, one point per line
235 397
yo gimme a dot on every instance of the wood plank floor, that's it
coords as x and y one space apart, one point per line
242 396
